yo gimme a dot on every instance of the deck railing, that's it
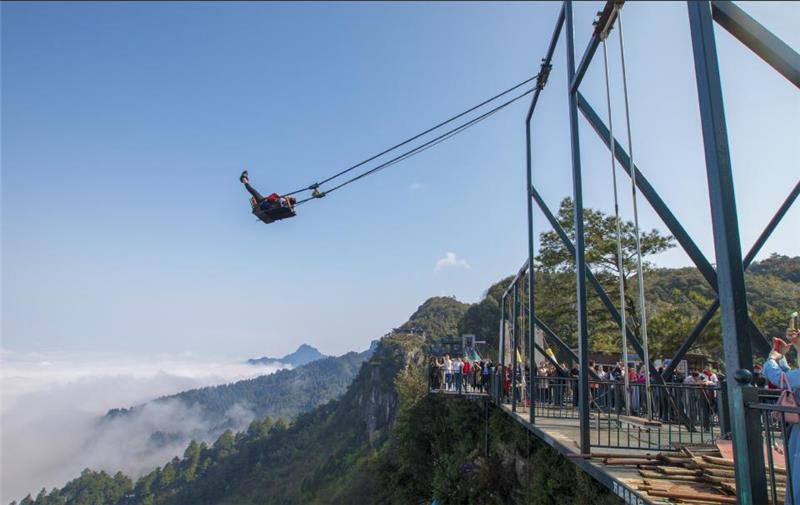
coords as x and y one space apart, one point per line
781 442
681 413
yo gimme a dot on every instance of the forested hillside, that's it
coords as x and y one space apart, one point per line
438 317
676 299
384 441
387 441
280 395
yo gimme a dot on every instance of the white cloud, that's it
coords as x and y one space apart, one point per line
51 407
451 260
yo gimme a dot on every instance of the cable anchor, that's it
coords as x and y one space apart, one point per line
544 74
605 18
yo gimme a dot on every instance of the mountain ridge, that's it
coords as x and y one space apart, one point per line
303 355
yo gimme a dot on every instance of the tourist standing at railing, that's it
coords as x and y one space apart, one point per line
433 373
688 397
639 384
474 375
660 397
703 396
574 373
485 371
617 387
776 366
465 372
759 380
561 389
440 363
552 383
506 382
711 389
541 383
448 372
458 367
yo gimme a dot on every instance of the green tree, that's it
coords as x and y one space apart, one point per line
224 444
602 257
191 458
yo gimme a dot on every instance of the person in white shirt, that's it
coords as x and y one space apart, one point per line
712 377
448 372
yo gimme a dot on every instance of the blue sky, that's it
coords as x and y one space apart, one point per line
125 126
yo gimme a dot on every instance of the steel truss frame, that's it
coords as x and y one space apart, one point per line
740 334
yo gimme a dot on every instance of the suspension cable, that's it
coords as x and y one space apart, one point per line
422 147
316 185
639 267
620 263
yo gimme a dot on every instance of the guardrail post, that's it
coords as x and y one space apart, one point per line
501 356
723 408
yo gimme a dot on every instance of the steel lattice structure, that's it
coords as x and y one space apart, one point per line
741 336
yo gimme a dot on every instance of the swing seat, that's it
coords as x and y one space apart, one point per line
276 213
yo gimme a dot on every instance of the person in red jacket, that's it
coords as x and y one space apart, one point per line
506 382
465 372
271 201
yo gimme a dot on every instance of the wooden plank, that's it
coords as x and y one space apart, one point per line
718 461
720 473
712 498
629 461
660 476
671 470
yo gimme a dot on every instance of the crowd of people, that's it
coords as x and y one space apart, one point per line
558 387
459 374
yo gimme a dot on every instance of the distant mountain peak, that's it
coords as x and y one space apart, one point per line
304 354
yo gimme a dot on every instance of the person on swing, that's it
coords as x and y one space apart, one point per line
270 202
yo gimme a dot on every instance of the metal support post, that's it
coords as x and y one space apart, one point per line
531 285
580 256
502 347
531 327
515 313
747 445
541 81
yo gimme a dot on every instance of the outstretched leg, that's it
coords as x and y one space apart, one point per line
250 189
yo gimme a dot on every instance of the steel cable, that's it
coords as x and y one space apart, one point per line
427 145
415 137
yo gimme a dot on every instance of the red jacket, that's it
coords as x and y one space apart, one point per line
466 367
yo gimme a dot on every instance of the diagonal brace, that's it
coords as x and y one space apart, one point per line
692 250
758 39
754 250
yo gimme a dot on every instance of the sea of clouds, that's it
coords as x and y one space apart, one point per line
51 406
